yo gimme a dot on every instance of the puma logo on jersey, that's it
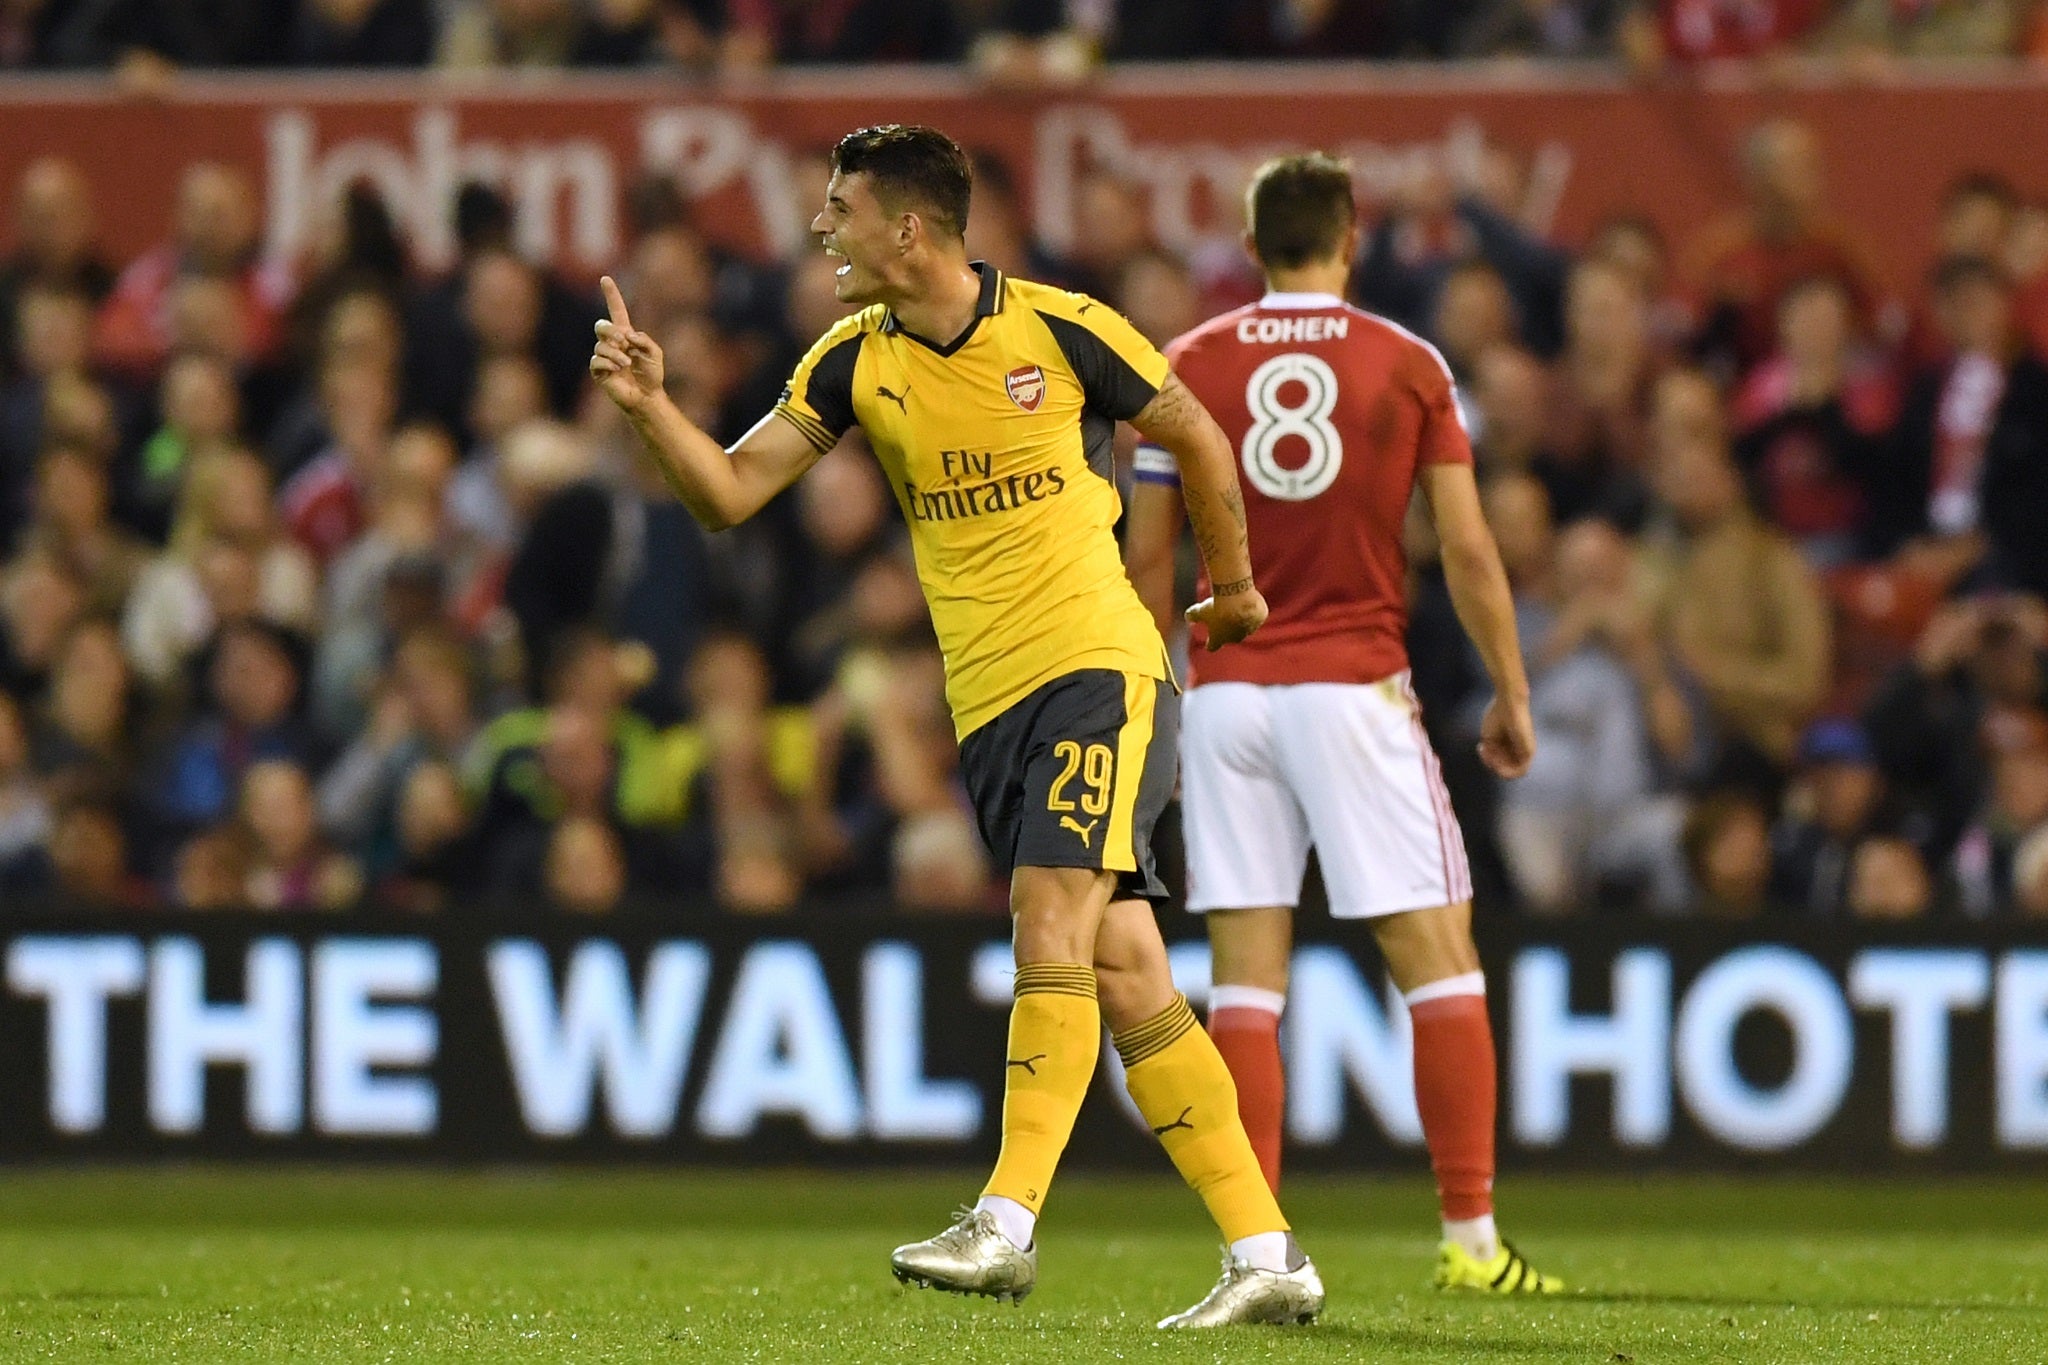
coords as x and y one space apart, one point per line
1084 308
1181 1122
1030 1064
901 400
1087 831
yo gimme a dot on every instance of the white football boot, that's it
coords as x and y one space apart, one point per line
1247 1294
972 1257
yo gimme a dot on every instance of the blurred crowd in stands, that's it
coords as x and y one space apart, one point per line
328 579
1020 42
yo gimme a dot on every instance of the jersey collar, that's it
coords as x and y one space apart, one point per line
993 291
1288 300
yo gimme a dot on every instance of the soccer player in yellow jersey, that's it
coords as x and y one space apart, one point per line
991 403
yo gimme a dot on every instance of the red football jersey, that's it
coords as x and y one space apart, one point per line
1332 411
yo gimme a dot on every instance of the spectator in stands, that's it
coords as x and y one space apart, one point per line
53 330
1537 28
1745 612
2015 807
1117 230
212 871
1743 264
1599 410
344 33
1870 32
1474 315
24 812
425 711
201 414
89 856
53 245
753 772
437 851
2026 264
90 728
1429 227
214 233
39 602
1970 468
395 578
1979 659
1656 34
2030 876
1727 844
358 251
1157 292
251 713
940 863
1836 802
1591 819
326 504
586 867
1814 420
223 514
492 303
361 329
764 33
290 867
563 573
71 528
1889 880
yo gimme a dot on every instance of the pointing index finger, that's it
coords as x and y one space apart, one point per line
616 303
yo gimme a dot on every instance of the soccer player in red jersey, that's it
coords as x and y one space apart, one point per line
1309 733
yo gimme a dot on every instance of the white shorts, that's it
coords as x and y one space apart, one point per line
1266 772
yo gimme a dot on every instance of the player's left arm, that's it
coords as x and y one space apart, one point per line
1152 526
1176 422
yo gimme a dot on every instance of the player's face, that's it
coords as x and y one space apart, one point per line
857 229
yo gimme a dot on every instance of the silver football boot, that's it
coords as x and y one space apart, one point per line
1245 1294
973 1257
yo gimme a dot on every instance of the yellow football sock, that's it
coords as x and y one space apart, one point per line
1185 1093
1055 1034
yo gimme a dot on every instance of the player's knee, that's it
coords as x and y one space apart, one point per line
1057 912
1422 946
1132 990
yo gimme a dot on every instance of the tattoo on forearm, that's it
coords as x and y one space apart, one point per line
1231 589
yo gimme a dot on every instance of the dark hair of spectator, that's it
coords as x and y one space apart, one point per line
1980 185
372 246
1953 272
992 174
655 203
483 218
1299 207
911 167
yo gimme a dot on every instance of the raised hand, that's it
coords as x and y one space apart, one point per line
625 363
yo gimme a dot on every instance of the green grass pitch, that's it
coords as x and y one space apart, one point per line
215 1264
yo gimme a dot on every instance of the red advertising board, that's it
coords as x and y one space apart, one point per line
565 149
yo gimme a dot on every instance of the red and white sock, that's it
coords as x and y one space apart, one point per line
1244 1023
1454 1090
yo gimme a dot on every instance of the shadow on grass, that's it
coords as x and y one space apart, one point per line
1645 1298
1468 1347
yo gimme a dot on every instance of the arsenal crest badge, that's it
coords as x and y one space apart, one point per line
1026 387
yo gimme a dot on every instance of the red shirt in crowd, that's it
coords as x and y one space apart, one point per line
1333 412
1709 30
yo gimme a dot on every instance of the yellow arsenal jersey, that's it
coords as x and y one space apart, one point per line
998 447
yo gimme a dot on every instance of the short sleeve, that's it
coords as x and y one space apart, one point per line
1444 436
1119 370
818 400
